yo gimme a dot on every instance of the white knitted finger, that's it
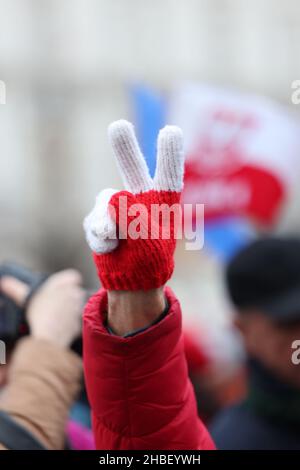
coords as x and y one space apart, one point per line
170 160
99 226
132 165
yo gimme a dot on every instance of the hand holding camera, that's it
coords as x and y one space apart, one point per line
53 311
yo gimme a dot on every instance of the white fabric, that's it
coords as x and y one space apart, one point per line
170 160
100 228
131 163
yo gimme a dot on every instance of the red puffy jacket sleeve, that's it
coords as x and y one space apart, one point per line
138 387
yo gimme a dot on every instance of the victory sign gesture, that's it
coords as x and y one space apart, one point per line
132 233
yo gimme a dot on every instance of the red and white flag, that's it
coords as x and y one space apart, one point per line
242 151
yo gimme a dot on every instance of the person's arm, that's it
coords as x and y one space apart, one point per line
131 311
44 375
139 390
134 362
42 384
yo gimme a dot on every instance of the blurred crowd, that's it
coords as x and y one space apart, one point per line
43 400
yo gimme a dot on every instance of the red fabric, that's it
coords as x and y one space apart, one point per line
138 387
147 261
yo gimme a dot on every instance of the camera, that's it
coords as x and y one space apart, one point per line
13 324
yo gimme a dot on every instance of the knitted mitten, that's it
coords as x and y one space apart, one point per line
132 233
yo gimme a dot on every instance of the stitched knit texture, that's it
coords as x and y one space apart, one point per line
142 264
132 246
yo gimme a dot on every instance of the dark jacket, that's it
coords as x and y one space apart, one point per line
269 418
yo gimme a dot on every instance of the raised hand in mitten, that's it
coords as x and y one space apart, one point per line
132 233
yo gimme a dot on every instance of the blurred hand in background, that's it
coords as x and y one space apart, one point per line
54 312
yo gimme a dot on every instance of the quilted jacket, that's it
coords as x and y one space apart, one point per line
138 387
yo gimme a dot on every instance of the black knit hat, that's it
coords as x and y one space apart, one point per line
266 276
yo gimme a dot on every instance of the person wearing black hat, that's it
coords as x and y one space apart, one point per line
263 281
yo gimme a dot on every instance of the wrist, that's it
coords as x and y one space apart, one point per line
132 310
